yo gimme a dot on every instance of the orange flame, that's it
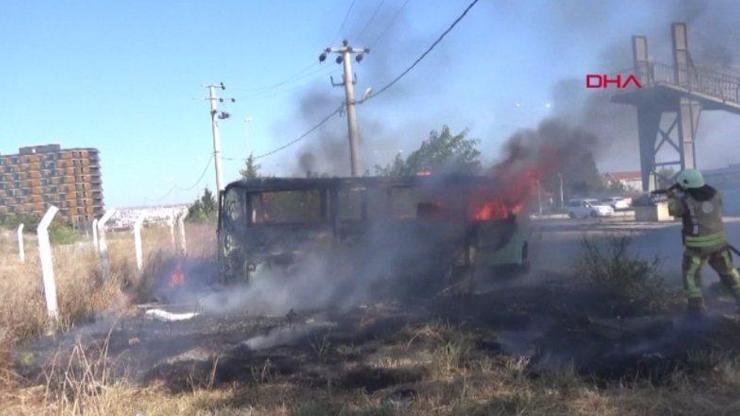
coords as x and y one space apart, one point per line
177 277
510 191
491 210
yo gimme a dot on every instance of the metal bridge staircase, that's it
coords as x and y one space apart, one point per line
681 91
714 90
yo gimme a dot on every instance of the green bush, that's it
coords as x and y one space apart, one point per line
611 267
61 233
12 221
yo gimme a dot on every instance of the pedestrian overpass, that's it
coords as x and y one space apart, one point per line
670 102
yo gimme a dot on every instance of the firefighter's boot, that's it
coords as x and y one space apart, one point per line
735 290
729 275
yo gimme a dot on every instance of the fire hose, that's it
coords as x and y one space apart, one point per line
733 249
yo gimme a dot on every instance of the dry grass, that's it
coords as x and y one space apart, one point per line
80 289
469 383
81 293
458 378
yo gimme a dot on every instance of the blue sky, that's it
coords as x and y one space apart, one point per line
126 77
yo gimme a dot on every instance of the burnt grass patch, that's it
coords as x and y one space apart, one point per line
312 358
561 325
373 379
555 324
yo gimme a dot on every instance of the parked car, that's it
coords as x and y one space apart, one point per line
618 202
584 208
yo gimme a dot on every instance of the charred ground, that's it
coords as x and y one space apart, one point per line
398 352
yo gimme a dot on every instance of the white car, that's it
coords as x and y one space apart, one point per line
618 202
584 208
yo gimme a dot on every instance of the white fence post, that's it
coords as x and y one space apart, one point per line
47 266
104 261
95 235
21 251
137 242
171 223
181 226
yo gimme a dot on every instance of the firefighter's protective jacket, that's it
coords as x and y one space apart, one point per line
701 212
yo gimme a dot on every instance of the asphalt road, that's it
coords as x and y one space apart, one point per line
555 244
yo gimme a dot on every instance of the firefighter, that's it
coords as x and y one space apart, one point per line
700 207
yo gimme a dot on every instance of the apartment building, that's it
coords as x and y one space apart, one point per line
39 176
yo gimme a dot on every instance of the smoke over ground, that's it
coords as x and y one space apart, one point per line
388 260
285 335
278 291
540 156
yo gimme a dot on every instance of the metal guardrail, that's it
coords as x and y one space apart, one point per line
721 85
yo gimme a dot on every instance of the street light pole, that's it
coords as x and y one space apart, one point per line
562 201
539 196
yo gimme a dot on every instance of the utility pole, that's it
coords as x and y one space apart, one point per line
344 57
215 115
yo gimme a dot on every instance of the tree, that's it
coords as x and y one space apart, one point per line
616 188
251 168
396 168
665 178
204 208
442 152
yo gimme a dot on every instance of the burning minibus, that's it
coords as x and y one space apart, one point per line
430 229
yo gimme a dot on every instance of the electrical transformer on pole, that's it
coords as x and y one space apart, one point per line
344 58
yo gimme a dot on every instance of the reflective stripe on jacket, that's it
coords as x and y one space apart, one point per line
702 221
712 240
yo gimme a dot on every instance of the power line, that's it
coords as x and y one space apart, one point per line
386 87
190 188
298 75
307 78
302 136
389 25
370 20
200 178
426 52
344 21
